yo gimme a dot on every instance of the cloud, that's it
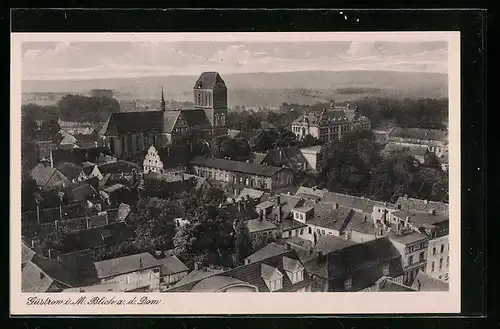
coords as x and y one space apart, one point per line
113 60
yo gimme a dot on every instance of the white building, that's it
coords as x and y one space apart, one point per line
152 162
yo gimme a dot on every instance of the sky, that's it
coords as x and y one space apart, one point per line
101 60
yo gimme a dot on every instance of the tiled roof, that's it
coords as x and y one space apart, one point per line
419 133
361 223
284 156
195 276
34 280
412 204
94 237
258 157
26 253
361 256
172 265
409 238
113 188
207 80
195 117
238 166
214 283
252 274
322 118
80 193
269 272
199 181
304 190
121 265
330 243
428 283
291 265
420 218
45 176
357 203
327 216
272 249
134 122
291 224
257 225
68 140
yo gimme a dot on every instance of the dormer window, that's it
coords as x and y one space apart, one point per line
348 284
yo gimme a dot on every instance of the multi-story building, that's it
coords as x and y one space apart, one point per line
413 249
329 124
438 259
435 140
130 133
242 174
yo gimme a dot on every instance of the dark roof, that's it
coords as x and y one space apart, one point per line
419 133
361 256
207 80
258 157
257 225
420 218
327 216
80 193
121 265
252 274
169 119
284 156
252 193
428 283
412 204
95 237
271 250
172 265
386 284
357 203
45 176
134 122
329 243
361 223
310 191
327 118
238 166
195 117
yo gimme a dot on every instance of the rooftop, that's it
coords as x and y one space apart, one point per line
271 250
425 282
409 238
257 225
357 203
420 218
238 166
172 265
416 150
121 265
327 216
329 243
419 133
215 283
422 205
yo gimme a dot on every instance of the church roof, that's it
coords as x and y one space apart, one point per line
208 80
195 117
133 122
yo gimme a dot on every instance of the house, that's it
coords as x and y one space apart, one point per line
438 259
197 274
358 204
68 142
152 161
287 157
413 249
242 174
91 170
130 133
428 223
417 151
80 192
435 140
260 226
172 270
102 236
329 124
356 267
362 228
280 273
310 193
47 177
278 210
312 156
406 203
425 282
270 250
326 244
139 272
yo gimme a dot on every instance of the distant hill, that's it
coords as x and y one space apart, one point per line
267 89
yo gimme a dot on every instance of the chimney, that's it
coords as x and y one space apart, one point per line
336 206
314 188
196 265
32 243
50 253
278 200
365 219
261 214
405 197
432 212
239 205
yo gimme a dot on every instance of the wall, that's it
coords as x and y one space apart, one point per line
360 237
311 158
173 278
411 270
302 233
436 243
148 277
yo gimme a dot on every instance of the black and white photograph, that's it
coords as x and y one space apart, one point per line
175 164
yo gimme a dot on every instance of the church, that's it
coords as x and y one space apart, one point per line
131 133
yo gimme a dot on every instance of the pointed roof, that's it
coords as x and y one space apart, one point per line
134 122
269 272
207 80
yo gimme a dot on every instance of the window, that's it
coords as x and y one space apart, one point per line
434 251
441 264
348 284
385 270
432 267
301 231
442 248
421 257
323 232
310 230
410 260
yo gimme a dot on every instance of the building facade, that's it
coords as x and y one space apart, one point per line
329 125
131 133
413 249
435 140
248 174
438 259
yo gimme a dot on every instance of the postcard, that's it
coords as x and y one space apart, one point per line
235 173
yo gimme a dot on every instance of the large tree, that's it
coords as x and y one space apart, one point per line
236 149
243 244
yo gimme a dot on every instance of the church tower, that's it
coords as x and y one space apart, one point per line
162 102
210 94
